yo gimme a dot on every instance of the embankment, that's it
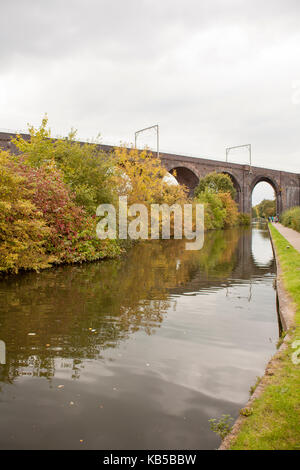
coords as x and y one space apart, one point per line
271 418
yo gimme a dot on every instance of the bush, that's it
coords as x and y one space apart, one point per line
40 222
216 183
220 210
72 236
140 176
214 212
85 168
244 219
291 218
23 230
230 206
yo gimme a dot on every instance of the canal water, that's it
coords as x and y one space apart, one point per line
140 352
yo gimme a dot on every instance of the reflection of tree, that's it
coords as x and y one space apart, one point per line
78 311
219 256
263 227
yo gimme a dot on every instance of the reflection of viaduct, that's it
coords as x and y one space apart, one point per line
246 268
247 265
189 169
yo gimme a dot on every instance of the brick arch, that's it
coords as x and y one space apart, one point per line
185 175
236 185
234 179
265 179
272 182
172 164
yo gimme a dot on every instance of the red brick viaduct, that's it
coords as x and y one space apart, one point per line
189 169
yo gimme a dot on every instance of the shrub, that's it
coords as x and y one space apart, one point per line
86 169
220 210
72 232
246 412
230 206
54 200
214 212
291 218
244 219
140 176
216 183
23 230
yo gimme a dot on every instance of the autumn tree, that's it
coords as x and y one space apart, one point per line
23 231
141 177
216 183
85 168
265 209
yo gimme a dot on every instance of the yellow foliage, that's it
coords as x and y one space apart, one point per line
232 214
140 176
22 229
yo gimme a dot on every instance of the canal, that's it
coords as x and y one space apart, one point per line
139 352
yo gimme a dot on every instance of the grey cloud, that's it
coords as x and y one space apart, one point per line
132 28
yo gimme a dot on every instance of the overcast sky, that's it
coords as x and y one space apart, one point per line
211 73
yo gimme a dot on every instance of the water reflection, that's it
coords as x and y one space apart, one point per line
261 251
158 341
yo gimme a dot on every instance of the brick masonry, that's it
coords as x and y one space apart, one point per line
189 169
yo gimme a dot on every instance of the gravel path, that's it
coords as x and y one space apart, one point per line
291 235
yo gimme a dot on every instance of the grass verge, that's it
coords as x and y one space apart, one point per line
275 421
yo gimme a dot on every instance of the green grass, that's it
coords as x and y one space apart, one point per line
290 265
275 422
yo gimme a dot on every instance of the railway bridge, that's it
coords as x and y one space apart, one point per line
188 171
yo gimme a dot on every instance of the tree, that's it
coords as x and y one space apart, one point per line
220 209
86 169
140 176
217 183
23 231
230 206
265 209
71 228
